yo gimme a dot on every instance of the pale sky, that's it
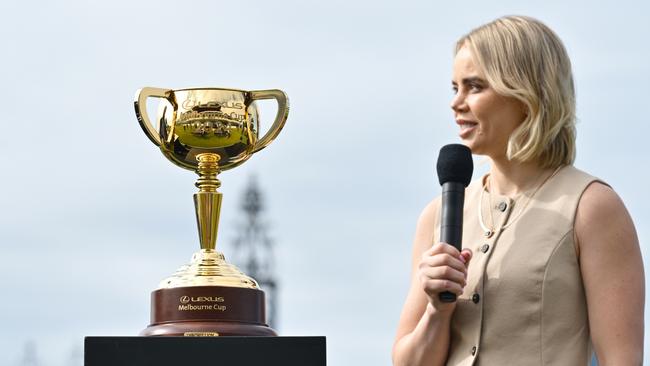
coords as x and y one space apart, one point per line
94 216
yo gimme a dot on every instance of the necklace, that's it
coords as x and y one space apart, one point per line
489 231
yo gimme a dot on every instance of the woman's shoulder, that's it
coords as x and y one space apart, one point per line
600 213
567 186
595 190
571 172
432 209
598 204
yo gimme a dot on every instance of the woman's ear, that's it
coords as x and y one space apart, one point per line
524 109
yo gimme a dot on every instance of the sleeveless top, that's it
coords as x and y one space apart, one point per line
524 302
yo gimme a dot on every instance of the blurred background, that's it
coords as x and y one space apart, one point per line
93 216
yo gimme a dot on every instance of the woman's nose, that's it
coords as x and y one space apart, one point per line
458 102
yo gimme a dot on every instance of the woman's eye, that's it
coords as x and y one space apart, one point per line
454 89
475 87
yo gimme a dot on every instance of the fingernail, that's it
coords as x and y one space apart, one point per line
462 259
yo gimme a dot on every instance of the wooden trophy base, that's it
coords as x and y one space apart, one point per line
208 311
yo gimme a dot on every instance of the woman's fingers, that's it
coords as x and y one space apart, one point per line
466 254
440 248
433 287
444 268
444 273
439 260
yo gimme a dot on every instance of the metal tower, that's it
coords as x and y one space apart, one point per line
253 249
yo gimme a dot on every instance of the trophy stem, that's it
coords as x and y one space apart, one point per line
207 201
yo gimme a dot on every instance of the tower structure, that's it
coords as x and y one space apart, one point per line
30 355
253 249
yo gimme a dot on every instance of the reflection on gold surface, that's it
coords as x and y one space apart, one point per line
214 120
208 268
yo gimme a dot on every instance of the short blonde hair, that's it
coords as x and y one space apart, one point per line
523 58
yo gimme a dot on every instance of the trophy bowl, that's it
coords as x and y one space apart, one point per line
208 130
209 120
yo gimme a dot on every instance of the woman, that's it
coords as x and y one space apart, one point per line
551 262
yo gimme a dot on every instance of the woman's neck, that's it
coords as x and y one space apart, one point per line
509 178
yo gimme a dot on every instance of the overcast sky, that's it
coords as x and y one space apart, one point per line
94 216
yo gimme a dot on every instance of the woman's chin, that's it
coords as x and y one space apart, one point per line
471 144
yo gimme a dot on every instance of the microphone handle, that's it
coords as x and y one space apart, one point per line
451 222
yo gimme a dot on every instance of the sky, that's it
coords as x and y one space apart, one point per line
94 216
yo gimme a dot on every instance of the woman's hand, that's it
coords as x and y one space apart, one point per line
423 333
443 268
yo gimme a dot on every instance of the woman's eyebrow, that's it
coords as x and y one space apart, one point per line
470 80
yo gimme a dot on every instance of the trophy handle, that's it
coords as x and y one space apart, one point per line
280 118
140 105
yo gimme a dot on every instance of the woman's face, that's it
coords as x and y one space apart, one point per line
486 119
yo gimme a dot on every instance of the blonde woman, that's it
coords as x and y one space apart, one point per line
551 269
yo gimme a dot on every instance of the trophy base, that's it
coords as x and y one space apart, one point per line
208 311
208 329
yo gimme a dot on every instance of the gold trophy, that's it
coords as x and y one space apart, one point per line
208 130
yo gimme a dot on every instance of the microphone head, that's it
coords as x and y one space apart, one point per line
455 164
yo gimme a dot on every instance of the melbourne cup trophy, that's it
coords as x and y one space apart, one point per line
208 130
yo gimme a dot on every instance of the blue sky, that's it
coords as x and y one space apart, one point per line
94 216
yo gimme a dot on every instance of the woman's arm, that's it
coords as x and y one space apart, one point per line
423 330
612 272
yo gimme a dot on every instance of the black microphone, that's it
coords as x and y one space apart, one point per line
455 168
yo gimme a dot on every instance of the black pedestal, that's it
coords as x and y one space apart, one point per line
204 351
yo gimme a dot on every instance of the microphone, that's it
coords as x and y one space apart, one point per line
455 168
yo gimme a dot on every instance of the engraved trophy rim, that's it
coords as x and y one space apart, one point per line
211 88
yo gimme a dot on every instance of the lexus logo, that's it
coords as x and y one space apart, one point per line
185 299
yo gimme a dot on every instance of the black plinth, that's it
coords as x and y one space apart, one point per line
204 351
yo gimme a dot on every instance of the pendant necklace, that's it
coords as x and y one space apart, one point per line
490 231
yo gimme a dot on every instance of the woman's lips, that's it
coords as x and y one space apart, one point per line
466 128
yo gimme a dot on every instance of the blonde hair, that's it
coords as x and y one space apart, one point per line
523 58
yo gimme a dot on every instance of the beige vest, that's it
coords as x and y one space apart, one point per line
524 303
